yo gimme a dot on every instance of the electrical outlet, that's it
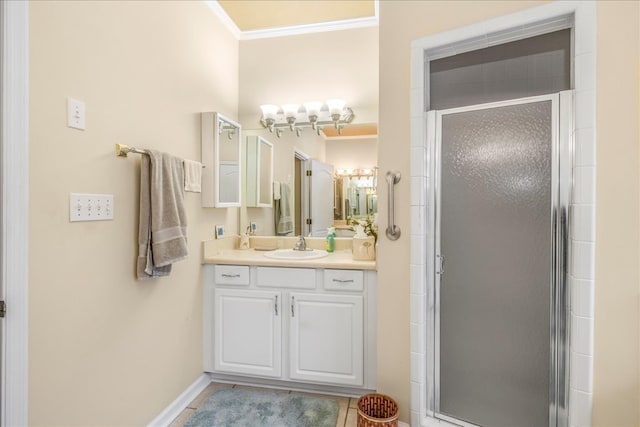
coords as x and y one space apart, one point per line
253 227
90 207
219 231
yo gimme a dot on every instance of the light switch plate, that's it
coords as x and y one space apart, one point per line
75 114
90 207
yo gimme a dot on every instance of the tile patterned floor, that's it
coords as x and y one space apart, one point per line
347 409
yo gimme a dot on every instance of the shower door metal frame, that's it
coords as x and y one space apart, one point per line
561 185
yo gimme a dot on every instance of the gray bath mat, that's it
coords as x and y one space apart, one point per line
249 408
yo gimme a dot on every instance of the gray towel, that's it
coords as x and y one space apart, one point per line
162 233
285 221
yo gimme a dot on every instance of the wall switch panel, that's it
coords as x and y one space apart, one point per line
75 114
90 207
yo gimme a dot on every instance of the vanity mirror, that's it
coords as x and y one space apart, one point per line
259 167
319 194
221 177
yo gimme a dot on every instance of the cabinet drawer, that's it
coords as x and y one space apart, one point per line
343 280
293 278
232 275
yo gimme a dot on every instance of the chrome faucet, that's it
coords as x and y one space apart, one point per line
301 244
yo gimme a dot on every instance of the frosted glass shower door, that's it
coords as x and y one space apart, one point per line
494 250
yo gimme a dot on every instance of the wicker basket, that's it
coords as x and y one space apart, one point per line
377 410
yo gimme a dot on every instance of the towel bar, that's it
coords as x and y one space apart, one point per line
122 150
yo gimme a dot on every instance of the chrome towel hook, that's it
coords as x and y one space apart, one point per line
393 231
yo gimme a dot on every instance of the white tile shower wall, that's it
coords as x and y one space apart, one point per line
586 150
581 362
582 234
582 223
581 335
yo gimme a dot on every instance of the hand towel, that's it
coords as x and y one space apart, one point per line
192 176
285 222
162 234
276 190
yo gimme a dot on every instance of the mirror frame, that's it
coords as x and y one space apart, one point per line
210 146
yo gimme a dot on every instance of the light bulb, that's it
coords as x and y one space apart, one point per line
290 110
313 108
269 111
335 106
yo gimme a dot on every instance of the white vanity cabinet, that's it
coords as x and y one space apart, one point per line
326 338
248 332
301 325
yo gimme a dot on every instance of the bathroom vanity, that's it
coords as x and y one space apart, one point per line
294 323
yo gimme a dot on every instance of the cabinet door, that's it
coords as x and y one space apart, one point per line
248 332
326 339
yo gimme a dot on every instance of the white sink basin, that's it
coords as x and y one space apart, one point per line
290 254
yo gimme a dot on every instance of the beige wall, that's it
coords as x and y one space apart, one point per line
353 153
616 381
104 348
616 321
310 67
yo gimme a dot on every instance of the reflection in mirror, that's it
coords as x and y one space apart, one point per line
221 177
355 158
355 195
259 161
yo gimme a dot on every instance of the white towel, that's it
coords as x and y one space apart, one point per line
192 176
276 190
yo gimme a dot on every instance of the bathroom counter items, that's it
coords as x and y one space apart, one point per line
224 252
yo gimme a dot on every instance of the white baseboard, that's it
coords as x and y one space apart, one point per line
172 411
401 424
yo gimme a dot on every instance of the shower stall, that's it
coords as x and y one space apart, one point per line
497 108
497 296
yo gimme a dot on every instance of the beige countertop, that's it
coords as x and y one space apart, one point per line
216 252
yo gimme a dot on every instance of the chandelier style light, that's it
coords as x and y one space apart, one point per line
313 114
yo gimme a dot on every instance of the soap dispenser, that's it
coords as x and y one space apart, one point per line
331 242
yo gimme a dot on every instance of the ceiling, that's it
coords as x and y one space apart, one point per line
252 15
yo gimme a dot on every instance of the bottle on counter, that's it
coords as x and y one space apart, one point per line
331 239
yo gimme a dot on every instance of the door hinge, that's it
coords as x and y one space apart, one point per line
3 308
308 221
309 173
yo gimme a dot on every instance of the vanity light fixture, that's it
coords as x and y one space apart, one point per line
357 172
312 114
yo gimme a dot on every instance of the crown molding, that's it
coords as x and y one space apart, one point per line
226 20
346 24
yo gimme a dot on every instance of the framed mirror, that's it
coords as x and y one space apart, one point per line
222 175
259 171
